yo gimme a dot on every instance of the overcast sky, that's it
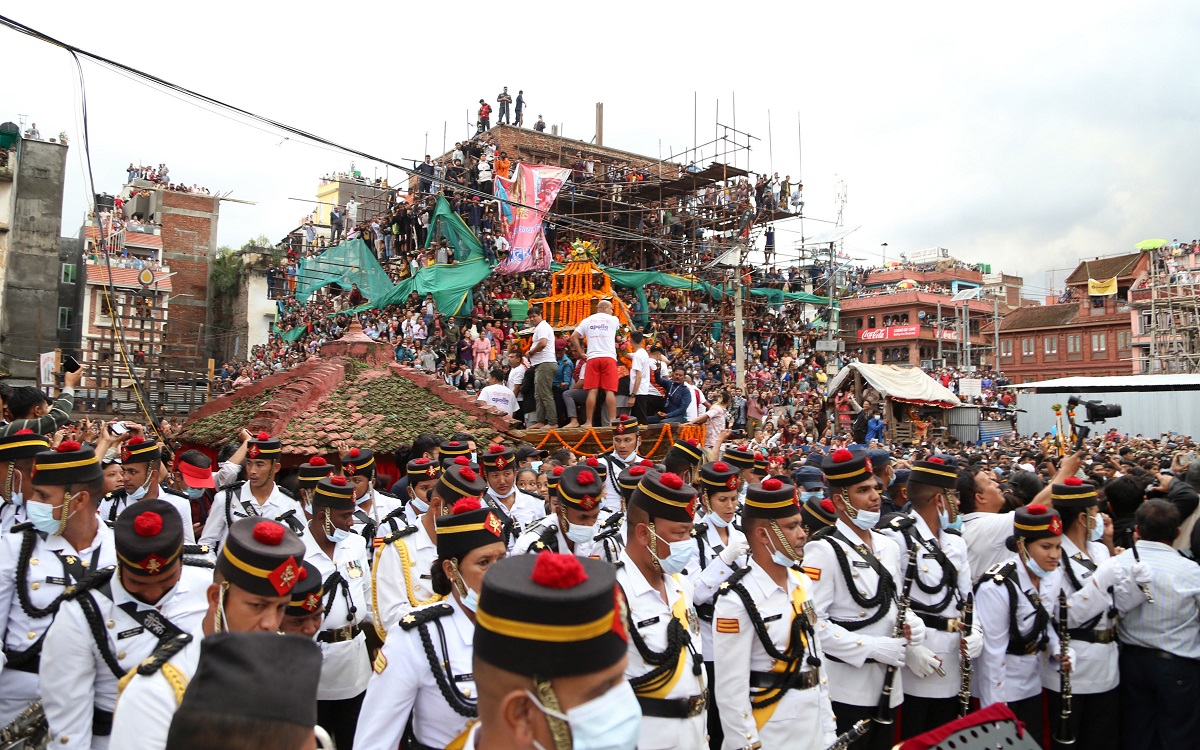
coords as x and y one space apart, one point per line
1027 135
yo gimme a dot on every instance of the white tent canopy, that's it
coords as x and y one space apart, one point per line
903 383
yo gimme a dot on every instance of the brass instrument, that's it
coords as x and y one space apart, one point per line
964 687
28 731
847 738
883 712
1064 736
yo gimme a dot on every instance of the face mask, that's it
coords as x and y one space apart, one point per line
677 559
579 533
137 494
781 558
18 498
470 600
195 493
609 722
41 515
419 504
717 521
337 535
814 495
308 509
866 519
1098 532
474 460
511 491
1036 569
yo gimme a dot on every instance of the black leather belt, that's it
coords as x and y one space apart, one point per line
1158 653
340 635
673 708
794 681
101 722
939 623
1094 636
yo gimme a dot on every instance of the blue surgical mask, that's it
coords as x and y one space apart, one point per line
814 495
579 533
18 498
679 556
470 600
609 722
1036 569
781 558
419 504
866 519
195 492
41 515
717 521
1098 531
337 535
137 494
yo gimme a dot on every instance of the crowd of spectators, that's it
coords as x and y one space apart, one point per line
161 176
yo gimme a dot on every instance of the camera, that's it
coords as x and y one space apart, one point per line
1096 411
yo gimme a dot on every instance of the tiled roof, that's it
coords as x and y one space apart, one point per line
125 277
133 239
1040 317
1118 266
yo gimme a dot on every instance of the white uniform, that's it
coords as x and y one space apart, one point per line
382 504
616 464
398 588
345 667
239 502
930 573
48 573
547 532
526 510
76 680
114 503
708 576
148 703
1095 667
999 675
801 719
852 679
404 684
650 616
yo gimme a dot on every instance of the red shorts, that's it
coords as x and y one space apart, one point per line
601 373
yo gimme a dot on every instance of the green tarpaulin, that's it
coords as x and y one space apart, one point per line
348 263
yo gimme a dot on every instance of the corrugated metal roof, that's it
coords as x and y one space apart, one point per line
1144 382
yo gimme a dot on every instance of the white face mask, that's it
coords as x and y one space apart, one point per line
866 519
579 533
137 494
419 504
1097 530
1036 569
609 722
679 556
717 521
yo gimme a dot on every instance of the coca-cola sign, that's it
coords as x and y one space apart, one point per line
891 332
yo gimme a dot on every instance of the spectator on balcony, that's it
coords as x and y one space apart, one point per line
336 224
520 115
505 101
485 117
540 125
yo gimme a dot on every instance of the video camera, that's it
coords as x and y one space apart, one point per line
1096 411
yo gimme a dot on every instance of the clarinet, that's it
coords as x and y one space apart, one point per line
964 687
883 712
847 738
1065 736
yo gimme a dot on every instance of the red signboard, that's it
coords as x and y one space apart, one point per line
900 332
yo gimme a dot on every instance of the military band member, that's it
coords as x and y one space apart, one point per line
257 568
306 610
150 605
519 510
401 577
17 452
1092 597
142 469
624 453
377 514
629 479
423 474
665 658
1024 591
770 687
720 550
55 550
452 449
683 458
939 592
341 556
310 473
441 699
256 497
551 639
575 520
741 457
856 582
817 512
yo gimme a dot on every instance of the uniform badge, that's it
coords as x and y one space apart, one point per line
252 451
380 663
587 502
813 573
348 469
501 462
353 569
811 613
492 524
1055 525
728 625
732 483
693 621
431 472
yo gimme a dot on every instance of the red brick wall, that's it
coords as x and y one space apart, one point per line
1085 362
189 242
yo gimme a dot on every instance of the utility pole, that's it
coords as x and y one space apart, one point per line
995 334
938 329
739 342
967 331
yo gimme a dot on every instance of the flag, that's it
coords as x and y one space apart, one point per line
524 201
1104 288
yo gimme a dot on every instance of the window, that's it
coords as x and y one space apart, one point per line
1073 342
1006 347
64 317
1146 321
1124 338
1027 347
1099 342
1050 345
68 273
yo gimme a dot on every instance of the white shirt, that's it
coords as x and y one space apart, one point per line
381 505
345 667
543 332
707 582
600 330
608 550
651 615
148 703
216 527
695 397
641 363
984 534
525 511
499 396
181 504
516 376
75 679
612 493
802 719
391 580
1094 670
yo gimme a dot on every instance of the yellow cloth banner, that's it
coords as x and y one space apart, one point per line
1105 288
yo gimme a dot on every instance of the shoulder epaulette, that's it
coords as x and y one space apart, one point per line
20 528
896 522
399 534
163 654
820 533
173 491
701 527
954 532
198 562
232 485
732 580
98 578
1000 571
424 615
115 495
196 549
286 492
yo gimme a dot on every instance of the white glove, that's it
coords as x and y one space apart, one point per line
921 661
736 548
974 643
1141 573
889 651
1105 576
916 628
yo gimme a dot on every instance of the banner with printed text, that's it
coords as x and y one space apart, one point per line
1102 288
524 201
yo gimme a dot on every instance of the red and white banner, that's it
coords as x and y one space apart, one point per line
524 201
901 332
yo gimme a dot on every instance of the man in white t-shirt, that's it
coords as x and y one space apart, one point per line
516 382
544 365
639 380
497 394
600 330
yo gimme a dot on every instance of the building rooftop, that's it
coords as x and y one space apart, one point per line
1118 266
126 277
1047 316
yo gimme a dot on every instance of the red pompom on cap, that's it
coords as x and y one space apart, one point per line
302 573
637 471
466 505
558 470
453 444
586 477
148 524
759 457
623 418
422 461
468 474
462 460
264 435
26 431
354 452
647 463
672 480
771 484
693 442
67 446
338 481
720 466
1037 509
1073 482
137 440
496 448
841 455
936 460
317 461
556 571
268 532
592 461
744 448
827 505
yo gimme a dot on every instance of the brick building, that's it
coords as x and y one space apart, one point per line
1079 335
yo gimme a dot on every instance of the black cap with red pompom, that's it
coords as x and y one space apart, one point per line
358 461
264 446
685 450
312 472
933 471
665 496
551 615
625 425
69 463
844 468
148 537
719 476
453 448
469 526
140 450
1073 493
334 492
1035 521
580 487
817 513
22 444
422 470
630 478
458 481
262 557
307 594
739 456
771 498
